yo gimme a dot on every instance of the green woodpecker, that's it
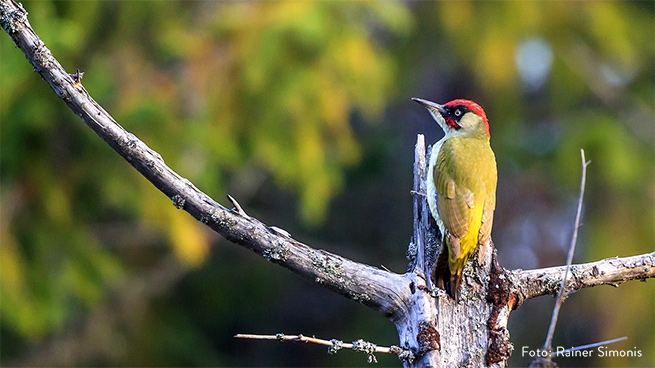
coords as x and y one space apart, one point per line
461 187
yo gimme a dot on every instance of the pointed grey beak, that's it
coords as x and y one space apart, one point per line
434 107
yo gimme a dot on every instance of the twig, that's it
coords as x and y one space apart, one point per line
336 345
415 193
237 206
569 260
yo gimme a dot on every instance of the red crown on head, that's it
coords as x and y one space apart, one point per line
477 109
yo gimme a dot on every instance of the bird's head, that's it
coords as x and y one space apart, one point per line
459 117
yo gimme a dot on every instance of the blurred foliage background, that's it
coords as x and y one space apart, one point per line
302 111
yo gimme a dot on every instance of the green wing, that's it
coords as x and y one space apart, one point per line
455 200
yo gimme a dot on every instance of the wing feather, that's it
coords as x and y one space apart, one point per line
485 229
455 201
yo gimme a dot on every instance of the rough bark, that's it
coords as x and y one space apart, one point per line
374 287
433 329
610 271
440 332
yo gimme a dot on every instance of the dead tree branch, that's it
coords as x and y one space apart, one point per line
610 271
335 345
378 289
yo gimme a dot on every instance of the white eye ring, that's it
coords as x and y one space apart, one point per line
458 112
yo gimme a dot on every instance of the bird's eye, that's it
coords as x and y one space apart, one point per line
458 112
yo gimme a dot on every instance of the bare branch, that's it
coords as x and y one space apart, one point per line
378 289
336 345
610 271
237 206
560 298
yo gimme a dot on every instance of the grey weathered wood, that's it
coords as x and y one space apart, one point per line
610 271
416 321
432 329
439 331
369 285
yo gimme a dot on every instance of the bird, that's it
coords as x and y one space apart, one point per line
461 188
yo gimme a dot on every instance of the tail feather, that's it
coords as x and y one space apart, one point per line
443 278
441 270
